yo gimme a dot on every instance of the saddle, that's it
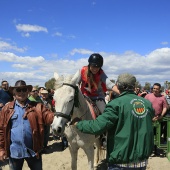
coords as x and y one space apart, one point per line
95 112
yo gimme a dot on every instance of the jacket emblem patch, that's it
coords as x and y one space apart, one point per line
139 109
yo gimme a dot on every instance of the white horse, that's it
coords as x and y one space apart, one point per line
70 103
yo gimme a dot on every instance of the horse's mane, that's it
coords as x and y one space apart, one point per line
62 79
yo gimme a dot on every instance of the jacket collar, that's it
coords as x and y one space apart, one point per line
127 92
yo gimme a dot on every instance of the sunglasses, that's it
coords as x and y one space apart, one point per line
35 91
23 90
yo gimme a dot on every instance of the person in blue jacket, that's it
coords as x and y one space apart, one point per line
5 95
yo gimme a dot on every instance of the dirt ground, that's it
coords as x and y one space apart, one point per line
56 159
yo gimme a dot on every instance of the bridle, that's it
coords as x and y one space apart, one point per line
75 104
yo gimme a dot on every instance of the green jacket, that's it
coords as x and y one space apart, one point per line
37 99
128 121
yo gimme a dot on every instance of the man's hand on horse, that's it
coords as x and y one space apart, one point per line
75 121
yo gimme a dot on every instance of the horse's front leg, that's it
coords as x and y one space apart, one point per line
73 152
99 152
89 151
96 152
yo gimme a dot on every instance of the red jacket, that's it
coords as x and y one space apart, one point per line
94 91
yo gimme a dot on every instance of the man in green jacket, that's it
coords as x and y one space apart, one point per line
128 122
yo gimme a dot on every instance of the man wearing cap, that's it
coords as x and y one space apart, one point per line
128 121
22 129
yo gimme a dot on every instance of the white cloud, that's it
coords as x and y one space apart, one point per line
161 56
4 46
30 77
80 51
21 66
164 43
11 57
26 34
58 34
30 28
152 67
71 36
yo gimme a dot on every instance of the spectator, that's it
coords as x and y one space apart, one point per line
39 91
21 129
5 95
34 96
159 104
50 94
46 100
143 93
167 97
137 90
158 101
128 120
48 104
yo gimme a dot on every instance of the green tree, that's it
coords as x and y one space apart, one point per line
36 86
50 83
147 86
138 85
167 85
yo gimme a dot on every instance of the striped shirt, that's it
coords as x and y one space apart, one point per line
131 165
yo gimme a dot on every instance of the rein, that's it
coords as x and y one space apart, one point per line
75 104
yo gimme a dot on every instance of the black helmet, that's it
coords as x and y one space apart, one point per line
96 60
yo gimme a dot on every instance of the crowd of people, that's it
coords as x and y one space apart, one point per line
26 113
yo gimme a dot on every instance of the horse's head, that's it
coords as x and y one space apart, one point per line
65 90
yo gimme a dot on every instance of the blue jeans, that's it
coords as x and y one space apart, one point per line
33 163
115 167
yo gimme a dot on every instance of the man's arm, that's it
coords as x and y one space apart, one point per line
164 111
101 124
115 89
165 107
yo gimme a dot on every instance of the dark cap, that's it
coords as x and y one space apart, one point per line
20 83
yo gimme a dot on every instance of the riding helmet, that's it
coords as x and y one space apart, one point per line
96 60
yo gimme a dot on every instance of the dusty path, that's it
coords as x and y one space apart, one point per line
56 159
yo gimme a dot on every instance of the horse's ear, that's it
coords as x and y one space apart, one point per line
76 78
56 76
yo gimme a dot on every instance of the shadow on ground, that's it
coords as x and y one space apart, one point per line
159 153
6 162
54 147
102 165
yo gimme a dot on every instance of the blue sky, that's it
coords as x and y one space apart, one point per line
40 37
